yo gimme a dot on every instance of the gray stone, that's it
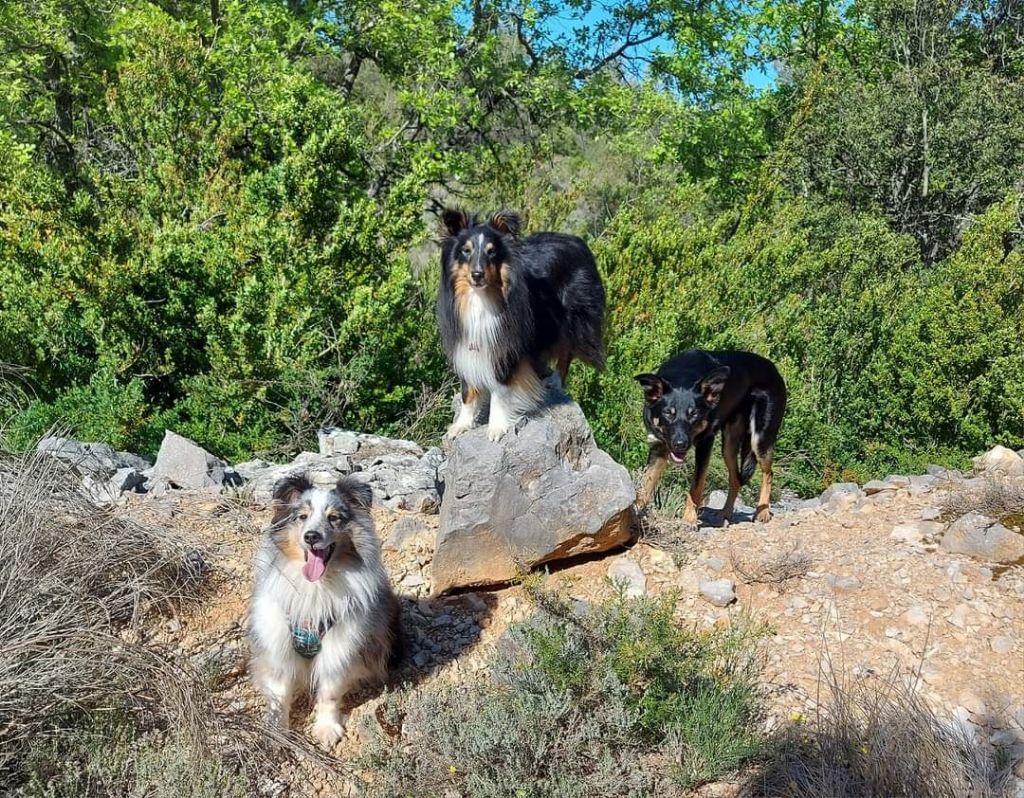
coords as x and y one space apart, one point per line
979 536
182 463
95 459
916 531
877 486
930 513
627 573
898 480
1000 460
937 470
842 584
251 469
332 440
1001 644
842 489
922 483
720 592
543 493
104 490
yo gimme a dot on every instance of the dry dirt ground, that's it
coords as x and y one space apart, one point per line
837 589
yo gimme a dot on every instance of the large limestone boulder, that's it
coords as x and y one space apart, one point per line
182 463
542 493
1000 460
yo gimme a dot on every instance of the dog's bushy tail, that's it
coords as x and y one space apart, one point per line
749 462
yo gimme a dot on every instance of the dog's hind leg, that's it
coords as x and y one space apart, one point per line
764 512
701 458
657 460
765 420
520 396
732 441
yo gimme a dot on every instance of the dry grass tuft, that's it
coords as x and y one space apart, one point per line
878 737
84 708
775 570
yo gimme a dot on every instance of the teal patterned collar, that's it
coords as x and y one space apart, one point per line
307 639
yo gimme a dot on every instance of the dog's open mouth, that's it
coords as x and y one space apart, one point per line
316 563
677 457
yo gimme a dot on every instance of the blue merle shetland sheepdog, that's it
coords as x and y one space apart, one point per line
507 308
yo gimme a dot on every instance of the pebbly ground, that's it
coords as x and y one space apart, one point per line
853 583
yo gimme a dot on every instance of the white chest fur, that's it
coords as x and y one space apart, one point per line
474 355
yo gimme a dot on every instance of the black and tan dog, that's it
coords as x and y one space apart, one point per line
694 395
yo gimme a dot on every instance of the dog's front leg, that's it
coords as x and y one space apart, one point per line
328 723
657 461
701 458
336 670
276 666
467 412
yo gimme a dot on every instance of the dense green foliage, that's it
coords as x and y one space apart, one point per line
610 699
216 216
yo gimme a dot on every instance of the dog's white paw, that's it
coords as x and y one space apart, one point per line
496 432
456 429
327 731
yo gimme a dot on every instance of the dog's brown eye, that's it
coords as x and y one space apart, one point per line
466 251
303 516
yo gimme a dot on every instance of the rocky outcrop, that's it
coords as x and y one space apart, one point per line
542 493
401 474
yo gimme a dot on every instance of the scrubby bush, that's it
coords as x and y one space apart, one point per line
607 699
879 738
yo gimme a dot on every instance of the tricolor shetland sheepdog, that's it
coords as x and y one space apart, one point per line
508 307
322 610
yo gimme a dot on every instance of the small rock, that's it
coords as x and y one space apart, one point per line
716 564
1001 644
877 486
959 616
842 584
930 513
847 489
627 573
917 616
333 440
898 480
720 592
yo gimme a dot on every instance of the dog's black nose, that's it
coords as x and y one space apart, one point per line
311 536
477 277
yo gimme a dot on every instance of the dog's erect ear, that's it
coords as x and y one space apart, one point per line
455 220
654 386
355 492
712 384
290 488
506 222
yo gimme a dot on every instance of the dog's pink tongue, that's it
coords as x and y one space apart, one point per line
315 565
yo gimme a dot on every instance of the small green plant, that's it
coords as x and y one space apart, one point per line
610 699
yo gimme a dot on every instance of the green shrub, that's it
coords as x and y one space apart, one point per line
610 699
